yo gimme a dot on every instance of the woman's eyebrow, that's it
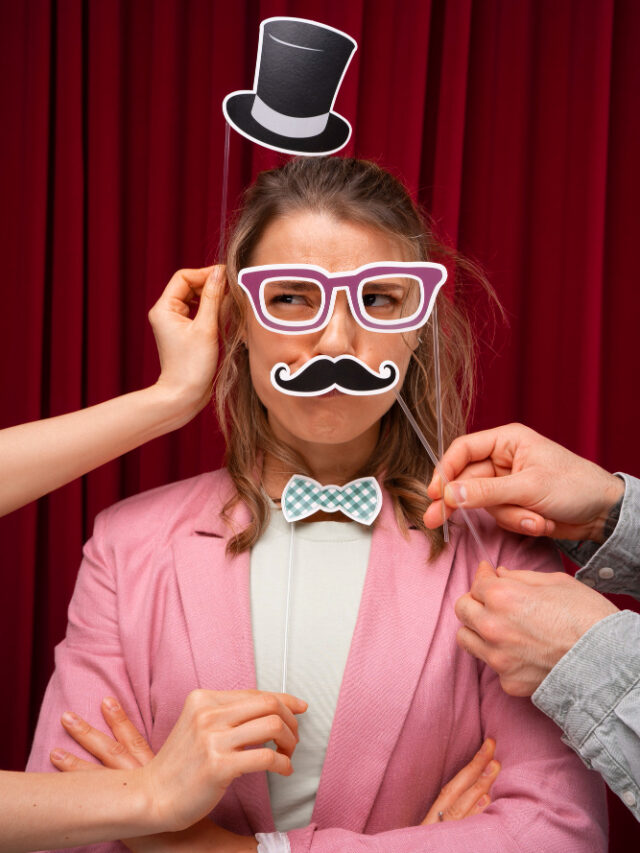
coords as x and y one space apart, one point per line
389 285
295 285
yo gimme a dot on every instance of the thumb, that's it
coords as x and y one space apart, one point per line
211 297
485 492
485 570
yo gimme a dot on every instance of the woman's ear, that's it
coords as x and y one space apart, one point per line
415 339
244 333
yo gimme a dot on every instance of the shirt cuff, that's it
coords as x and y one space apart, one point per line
273 842
614 566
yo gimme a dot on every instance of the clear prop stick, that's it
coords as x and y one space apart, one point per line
225 191
438 389
287 612
443 477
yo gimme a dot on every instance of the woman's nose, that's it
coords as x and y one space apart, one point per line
338 335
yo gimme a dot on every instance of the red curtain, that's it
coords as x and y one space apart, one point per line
515 123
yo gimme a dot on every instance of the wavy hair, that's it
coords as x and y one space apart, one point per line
361 192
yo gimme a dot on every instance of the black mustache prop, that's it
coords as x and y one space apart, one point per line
323 374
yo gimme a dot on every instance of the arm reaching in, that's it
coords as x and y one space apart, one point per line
143 794
527 482
550 637
204 753
37 457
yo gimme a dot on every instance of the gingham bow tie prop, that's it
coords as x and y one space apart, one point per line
360 500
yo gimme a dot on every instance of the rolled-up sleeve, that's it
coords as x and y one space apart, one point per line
593 694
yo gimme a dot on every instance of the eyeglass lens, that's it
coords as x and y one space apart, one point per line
381 299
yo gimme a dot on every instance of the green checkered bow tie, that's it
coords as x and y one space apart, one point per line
360 500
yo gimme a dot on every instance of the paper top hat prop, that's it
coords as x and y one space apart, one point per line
299 70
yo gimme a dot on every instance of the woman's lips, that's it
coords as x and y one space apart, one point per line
333 393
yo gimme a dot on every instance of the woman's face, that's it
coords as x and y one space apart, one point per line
336 418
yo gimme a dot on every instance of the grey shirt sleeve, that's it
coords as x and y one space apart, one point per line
614 566
593 694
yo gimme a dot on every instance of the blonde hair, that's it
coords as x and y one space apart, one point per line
361 192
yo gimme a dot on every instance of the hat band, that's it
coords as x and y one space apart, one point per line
284 125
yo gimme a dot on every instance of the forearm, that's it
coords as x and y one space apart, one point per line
593 694
45 810
483 834
37 457
202 837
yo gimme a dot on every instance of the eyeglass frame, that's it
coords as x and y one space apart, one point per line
253 279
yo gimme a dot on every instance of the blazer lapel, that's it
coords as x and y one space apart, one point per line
215 595
398 614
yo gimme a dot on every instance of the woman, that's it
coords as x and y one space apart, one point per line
186 586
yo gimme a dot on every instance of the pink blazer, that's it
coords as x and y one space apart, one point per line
159 609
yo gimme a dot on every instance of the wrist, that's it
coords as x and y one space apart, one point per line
605 522
147 816
176 405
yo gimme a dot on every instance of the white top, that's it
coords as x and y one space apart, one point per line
329 565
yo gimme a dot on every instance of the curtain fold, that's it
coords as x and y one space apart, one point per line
515 124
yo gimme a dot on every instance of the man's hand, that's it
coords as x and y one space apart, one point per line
527 482
521 623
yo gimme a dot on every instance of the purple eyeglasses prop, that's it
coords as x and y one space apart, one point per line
389 297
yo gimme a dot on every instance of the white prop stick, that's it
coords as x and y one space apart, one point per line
436 369
225 191
287 611
465 515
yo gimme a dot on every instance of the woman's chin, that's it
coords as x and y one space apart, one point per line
330 427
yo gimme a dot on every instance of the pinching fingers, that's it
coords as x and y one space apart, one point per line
263 730
211 297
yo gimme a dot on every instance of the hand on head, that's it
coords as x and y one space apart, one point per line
521 623
527 482
188 347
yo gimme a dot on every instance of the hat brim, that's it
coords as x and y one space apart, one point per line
237 111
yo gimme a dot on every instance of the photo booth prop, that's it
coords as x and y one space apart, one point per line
299 69
391 297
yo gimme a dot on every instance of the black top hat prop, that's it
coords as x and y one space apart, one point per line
299 70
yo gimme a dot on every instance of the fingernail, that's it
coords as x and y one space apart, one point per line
483 801
528 524
70 719
457 492
110 704
58 755
484 748
490 769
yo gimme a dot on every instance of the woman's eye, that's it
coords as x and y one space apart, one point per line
289 299
378 300
292 301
